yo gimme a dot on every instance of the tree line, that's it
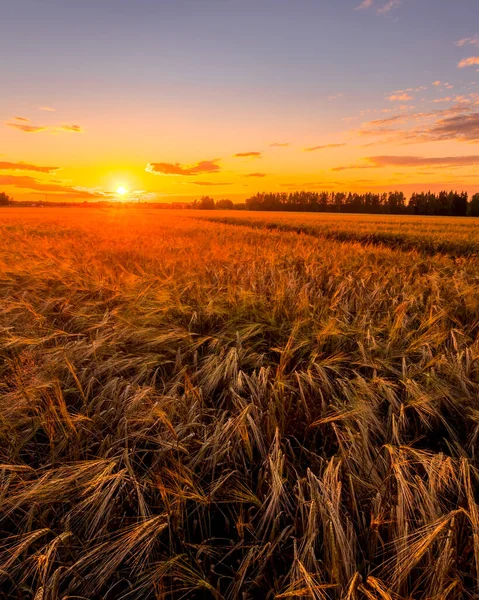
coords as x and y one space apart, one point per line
425 203
455 204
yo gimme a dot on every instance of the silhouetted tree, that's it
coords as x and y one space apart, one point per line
4 199
206 203
224 204
445 203
474 206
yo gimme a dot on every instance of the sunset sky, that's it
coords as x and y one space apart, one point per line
174 99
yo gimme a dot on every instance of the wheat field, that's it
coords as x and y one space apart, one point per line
205 405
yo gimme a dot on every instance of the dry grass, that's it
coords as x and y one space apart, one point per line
430 235
194 410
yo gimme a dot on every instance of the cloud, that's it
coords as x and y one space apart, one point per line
437 83
388 120
404 97
378 131
247 154
210 183
47 108
336 96
30 183
204 166
461 127
349 167
468 62
279 145
378 162
464 125
26 128
389 6
256 175
314 148
474 41
365 4
10 166
74 128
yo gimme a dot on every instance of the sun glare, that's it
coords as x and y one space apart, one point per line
121 191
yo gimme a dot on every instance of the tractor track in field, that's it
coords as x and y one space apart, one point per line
390 240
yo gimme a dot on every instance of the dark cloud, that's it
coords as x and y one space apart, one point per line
204 166
26 128
247 154
456 122
73 128
348 167
461 127
314 148
30 183
10 166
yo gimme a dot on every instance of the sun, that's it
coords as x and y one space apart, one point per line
121 191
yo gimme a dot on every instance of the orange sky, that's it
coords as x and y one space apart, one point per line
225 110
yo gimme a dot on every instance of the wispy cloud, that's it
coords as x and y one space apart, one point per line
444 84
279 145
256 175
388 7
336 96
74 128
210 183
388 120
47 108
455 122
461 127
445 99
204 166
247 155
365 4
402 97
26 128
11 166
31 183
23 124
378 162
354 167
325 147
421 161
472 41
468 62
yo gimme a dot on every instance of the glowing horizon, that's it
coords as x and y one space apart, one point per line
174 100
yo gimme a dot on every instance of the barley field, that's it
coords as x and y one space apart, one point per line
200 405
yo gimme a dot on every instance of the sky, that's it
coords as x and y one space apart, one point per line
174 99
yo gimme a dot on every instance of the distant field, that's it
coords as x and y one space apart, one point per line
209 405
458 236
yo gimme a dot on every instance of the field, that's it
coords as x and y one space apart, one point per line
238 406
